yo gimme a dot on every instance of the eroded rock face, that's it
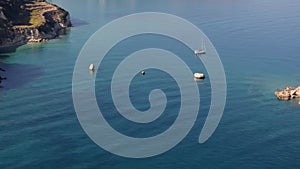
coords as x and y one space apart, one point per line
55 22
288 93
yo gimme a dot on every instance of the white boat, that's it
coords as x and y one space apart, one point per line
199 76
202 51
199 52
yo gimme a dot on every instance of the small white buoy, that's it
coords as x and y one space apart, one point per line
199 76
92 67
143 72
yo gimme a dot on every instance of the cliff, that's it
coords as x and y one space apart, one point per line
30 21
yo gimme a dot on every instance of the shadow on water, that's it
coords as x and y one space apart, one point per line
78 22
18 75
3 56
8 49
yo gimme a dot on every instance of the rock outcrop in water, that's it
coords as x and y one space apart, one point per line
29 21
288 93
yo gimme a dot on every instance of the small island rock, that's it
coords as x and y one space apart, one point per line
288 93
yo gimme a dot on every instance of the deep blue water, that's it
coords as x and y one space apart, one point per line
258 42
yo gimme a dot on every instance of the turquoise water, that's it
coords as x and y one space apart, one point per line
258 43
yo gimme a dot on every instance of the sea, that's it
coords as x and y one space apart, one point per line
258 44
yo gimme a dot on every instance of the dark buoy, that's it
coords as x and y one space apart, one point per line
143 73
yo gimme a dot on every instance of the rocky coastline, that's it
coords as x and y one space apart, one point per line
30 21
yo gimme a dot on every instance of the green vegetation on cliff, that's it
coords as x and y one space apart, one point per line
35 18
23 21
24 12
